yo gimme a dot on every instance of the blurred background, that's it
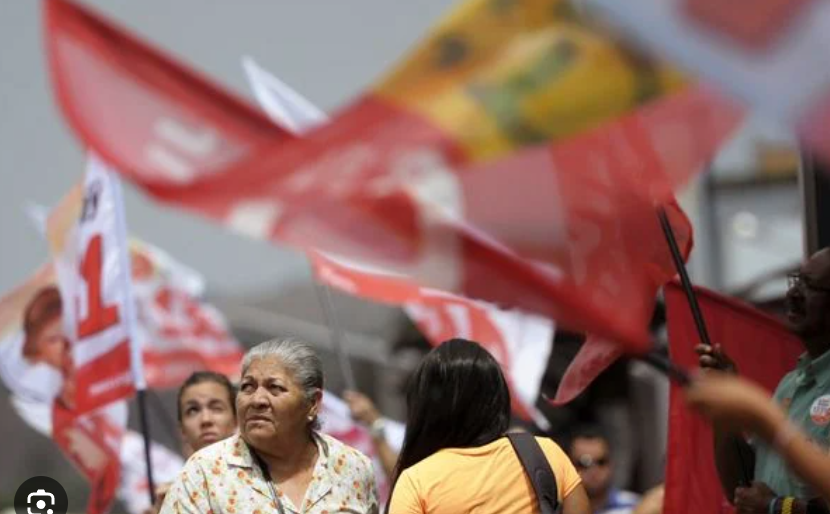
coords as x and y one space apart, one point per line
747 213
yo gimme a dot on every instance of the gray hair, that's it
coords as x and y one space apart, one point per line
299 358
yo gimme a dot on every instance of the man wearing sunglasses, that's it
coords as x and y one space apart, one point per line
590 452
804 393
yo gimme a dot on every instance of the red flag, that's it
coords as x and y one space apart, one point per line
598 353
93 443
178 332
521 343
592 359
381 185
692 484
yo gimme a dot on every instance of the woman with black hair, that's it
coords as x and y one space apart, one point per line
455 456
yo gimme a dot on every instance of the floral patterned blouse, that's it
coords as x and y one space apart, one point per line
225 478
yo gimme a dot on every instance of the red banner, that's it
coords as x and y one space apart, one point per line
93 443
692 484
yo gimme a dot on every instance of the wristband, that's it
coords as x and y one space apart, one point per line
376 428
787 505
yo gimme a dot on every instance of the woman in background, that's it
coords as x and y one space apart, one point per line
455 456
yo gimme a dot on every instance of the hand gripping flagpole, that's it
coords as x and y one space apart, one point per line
136 357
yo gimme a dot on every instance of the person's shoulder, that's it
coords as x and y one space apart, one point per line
788 381
216 452
550 447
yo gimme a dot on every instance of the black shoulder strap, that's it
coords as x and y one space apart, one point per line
538 470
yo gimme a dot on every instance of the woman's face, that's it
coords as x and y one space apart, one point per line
271 406
52 346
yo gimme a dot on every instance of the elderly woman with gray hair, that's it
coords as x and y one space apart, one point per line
278 462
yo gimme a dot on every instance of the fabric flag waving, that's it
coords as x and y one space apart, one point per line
692 484
87 450
520 342
32 367
289 109
754 53
176 331
36 365
93 273
400 187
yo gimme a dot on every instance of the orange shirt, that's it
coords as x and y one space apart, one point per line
488 479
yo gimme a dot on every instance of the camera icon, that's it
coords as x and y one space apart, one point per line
42 503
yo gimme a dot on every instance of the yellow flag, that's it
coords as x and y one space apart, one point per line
499 74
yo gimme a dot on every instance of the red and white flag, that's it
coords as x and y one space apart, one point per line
94 455
772 54
102 362
177 333
551 230
36 366
93 272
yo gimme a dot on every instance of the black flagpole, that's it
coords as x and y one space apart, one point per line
665 365
697 314
141 396
680 266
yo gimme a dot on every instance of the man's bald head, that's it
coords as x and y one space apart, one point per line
808 299
817 268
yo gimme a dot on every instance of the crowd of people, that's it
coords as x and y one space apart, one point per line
258 447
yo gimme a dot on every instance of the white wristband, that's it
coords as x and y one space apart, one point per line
376 429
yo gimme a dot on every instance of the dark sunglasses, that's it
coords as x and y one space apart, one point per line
796 279
587 462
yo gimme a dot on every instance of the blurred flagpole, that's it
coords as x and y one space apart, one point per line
136 357
337 335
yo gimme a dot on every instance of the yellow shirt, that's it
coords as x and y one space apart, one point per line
223 478
488 479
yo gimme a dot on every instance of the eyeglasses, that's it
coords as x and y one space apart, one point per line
584 462
796 279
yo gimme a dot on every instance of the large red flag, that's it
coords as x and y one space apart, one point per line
692 484
552 229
